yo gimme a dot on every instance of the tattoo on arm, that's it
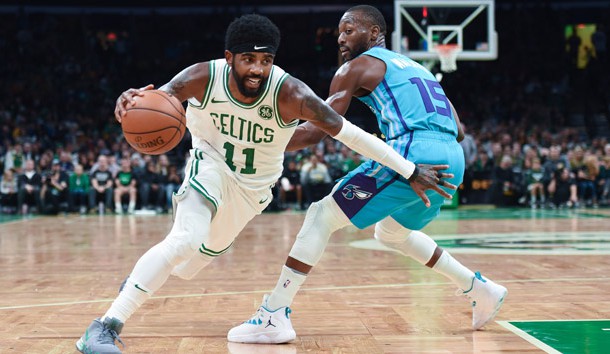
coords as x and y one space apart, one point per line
176 87
312 104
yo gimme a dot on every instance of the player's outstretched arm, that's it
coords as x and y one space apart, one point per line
297 100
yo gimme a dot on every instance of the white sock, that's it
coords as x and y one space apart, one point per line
421 247
118 206
286 288
148 275
454 270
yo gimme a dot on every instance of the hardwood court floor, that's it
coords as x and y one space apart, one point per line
58 273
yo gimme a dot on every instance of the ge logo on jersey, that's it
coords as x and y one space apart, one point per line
265 112
350 191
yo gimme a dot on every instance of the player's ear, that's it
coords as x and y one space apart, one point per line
229 57
375 31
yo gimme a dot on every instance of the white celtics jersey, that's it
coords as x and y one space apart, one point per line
251 138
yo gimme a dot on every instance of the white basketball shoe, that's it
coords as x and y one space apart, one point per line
487 297
265 327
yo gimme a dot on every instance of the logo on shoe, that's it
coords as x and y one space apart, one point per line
269 323
286 283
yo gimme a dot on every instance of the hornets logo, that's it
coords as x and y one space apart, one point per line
350 191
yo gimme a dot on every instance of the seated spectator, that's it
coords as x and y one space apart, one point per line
554 162
101 182
8 192
125 184
14 158
174 180
78 190
586 176
29 182
562 189
151 188
535 188
54 190
333 159
65 160
603 181
504 189
290 185
315 180
350 160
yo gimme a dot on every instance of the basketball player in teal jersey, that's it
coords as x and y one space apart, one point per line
242 113
419 123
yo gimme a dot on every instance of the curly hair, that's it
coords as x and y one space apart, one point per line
371 15
252 33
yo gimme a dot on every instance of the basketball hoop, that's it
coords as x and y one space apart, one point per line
447 54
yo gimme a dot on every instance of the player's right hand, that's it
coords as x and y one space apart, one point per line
126 98
432 177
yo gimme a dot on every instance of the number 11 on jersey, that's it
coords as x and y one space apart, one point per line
249 169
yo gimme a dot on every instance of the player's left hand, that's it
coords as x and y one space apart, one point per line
431 177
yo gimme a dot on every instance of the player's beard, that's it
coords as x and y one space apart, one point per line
352 53
241 86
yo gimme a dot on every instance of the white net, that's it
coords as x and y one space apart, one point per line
447 53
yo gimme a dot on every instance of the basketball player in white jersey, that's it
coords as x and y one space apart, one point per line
242 111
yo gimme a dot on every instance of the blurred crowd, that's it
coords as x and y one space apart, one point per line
537 127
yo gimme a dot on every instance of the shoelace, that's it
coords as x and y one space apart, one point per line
110 337
256 317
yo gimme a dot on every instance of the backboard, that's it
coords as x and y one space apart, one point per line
420 25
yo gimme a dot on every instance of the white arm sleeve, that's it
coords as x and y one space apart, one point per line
373 148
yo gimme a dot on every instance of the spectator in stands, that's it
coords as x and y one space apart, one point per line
125 184
603 181
577 158
8 192
101 183
65 161
29 153
14 158
586 175
113 165
78 190
290 184
152 188
553 163
350 160
535 187
54 190
333 159
29 183
315 180
469 146
174 180
562 189
504 190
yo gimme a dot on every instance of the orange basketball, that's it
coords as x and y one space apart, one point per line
155 124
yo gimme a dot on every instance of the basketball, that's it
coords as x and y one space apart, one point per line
155 124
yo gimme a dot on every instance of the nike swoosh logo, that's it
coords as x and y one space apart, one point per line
138 287
214 100
259 48
263 200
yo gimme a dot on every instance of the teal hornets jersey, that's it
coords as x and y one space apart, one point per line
409 98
